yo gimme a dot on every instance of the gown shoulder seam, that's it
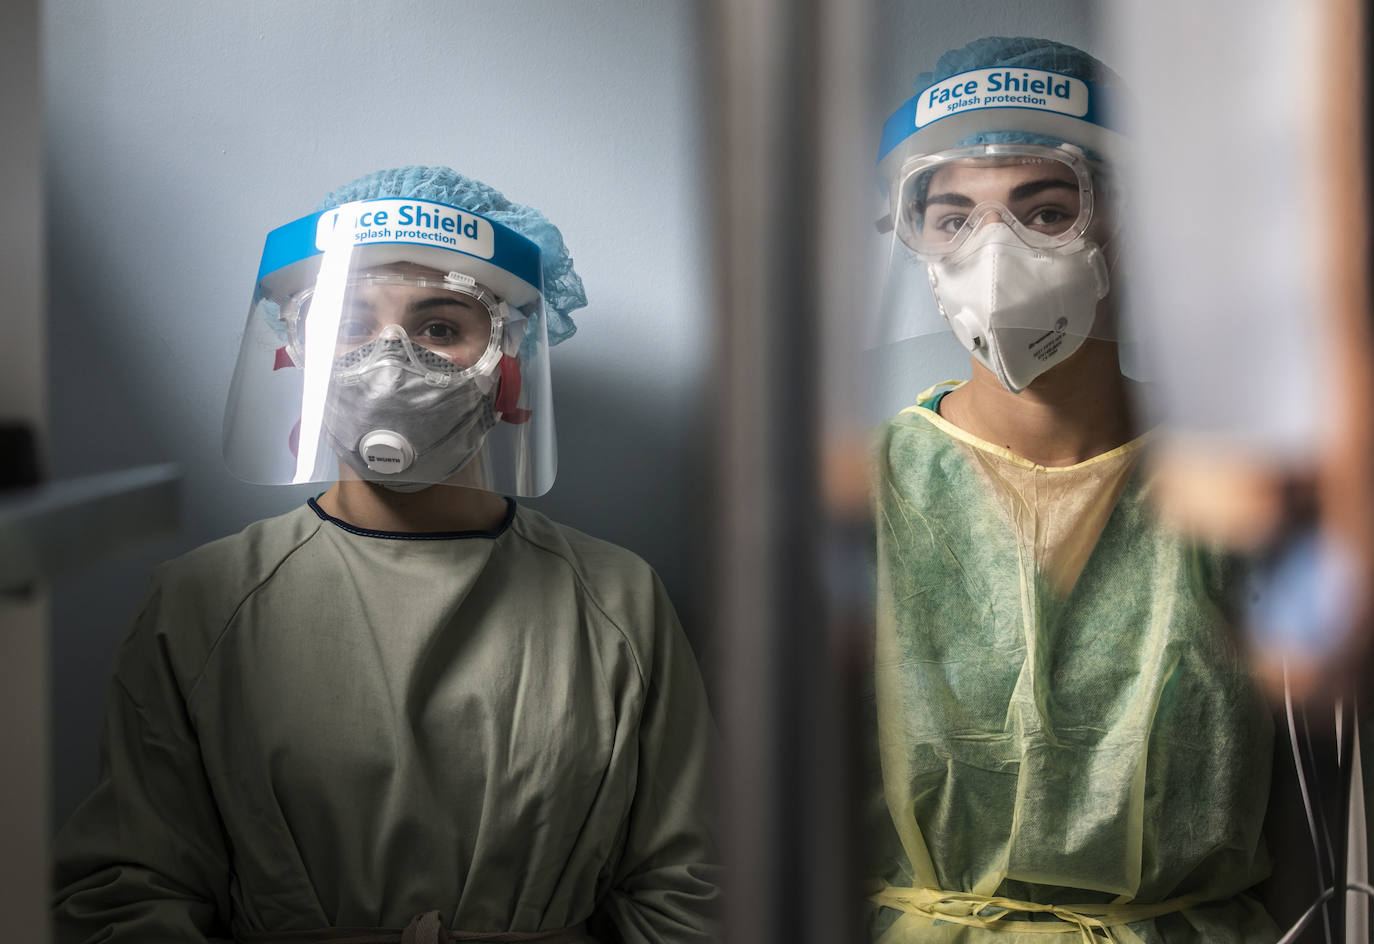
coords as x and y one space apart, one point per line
591 595
238 607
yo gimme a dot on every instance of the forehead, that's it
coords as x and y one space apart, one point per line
993 176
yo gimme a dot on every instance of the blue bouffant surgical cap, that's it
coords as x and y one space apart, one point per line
1025 52
1019 52
563 292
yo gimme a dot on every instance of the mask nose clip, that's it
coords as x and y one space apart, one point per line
990 229
394 332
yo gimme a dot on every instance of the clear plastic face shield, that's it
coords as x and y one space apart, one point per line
1007 248
398 341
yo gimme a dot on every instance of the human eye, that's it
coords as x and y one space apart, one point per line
1049 219
441 332
946 224
354 327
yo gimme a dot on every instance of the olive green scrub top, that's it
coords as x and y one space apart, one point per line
312 725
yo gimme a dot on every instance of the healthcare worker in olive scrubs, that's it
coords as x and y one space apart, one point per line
411 709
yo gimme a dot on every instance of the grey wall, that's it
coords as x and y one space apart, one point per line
178 134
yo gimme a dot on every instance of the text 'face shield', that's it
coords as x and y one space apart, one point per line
400 341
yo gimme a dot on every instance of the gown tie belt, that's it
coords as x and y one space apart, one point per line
426 928
1093 924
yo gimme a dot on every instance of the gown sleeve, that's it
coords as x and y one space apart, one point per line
144 858
665 889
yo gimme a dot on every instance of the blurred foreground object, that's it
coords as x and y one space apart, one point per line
1254 276
791 586
1253 271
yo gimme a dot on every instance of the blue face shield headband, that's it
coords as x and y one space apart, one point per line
385 231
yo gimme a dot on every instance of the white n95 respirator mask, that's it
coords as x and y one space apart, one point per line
1019 310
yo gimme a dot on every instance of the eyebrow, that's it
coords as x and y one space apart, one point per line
437 301
952 199
1034 187
1019 192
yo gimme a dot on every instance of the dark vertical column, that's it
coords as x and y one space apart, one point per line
787 89
24 611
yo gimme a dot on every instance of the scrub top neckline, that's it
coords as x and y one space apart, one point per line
416 535
923 410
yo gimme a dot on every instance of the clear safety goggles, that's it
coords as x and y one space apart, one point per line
437 322
1047 196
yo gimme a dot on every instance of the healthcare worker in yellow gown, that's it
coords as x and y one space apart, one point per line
412 709
1069 743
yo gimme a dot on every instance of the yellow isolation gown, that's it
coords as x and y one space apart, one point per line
1069 742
